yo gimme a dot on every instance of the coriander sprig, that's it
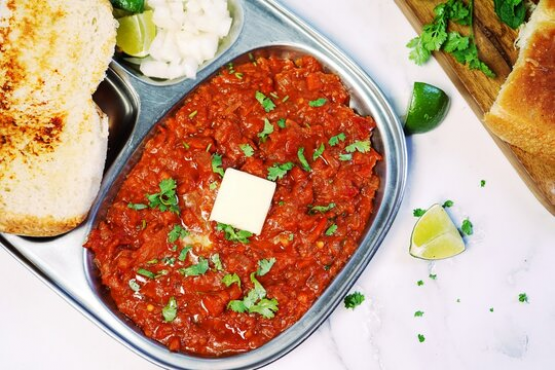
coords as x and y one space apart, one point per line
435 37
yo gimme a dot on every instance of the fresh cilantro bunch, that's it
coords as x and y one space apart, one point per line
435 37
511 12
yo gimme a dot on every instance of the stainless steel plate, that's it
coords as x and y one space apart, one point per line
135 104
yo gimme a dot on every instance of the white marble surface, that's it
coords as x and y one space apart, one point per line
512 250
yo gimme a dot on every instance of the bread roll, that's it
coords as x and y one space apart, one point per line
524 112
53 137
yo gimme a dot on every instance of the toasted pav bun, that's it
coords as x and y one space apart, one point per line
524 111
53 137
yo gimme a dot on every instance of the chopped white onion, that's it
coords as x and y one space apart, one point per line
188 34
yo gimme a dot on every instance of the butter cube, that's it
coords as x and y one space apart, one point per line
243 201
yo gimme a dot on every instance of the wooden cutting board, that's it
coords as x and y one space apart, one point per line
495 43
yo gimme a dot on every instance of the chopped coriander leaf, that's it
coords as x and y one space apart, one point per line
230 279
213 185
418 212
217 164
266 102
277 171
353 300
467 228
233 234
256 293
169 261
419 283
134 285
281 203
522 297
458 300
482 183
318 102
448 203
321 209
433 276
177 232
264 266
334 140
302 158
198 269
183 254
331 230
255 301
419 314
421 338
146 273
170 310
217 262
318 152
291 237
247 149
267 130
491 309
137 206
265 307
281 122
345 157
166 199
237 306
193 114
359 146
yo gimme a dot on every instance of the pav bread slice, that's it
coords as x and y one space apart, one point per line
524 111
53 137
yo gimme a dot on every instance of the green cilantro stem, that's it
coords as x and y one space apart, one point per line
302 159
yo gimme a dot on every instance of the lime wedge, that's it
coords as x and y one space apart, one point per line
135 34
435 236
428 107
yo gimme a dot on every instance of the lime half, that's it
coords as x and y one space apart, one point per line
435 236
428 107
135 34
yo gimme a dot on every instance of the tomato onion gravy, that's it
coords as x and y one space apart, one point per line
209 289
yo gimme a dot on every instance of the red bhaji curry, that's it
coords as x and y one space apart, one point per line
208 289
